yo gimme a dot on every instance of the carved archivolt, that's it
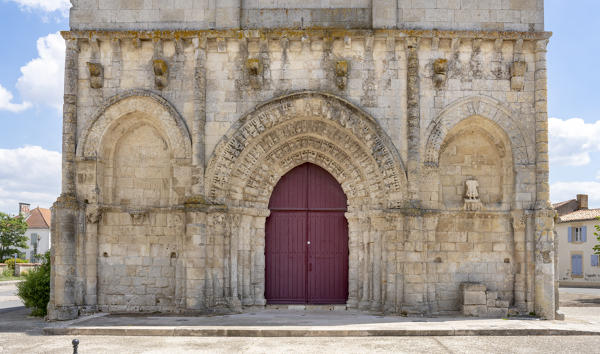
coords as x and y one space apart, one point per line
485 107
141 102
306 127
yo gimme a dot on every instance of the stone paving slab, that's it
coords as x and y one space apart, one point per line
281 323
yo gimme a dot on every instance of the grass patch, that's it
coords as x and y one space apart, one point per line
8 275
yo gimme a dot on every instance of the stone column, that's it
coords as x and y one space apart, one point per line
541 128
66 208
65 223
70 116
353 260
544 215
199 122
520 269
414 119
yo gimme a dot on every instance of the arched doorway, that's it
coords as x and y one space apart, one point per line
306 239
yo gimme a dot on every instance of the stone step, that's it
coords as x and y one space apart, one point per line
300 307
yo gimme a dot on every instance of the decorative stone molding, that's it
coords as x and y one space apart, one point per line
306 127
96 72
143 101
138 216
341 74
440 71
161 73
517 75
482 106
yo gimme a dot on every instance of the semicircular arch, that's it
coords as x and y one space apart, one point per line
306 127
487 108
139 102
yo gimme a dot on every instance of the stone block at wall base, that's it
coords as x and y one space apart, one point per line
62 313
474 310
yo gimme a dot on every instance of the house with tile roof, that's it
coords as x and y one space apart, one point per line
38 231
577 263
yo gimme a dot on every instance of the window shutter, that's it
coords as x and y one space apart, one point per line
584 234
570 234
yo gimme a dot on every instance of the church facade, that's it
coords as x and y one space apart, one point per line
226 155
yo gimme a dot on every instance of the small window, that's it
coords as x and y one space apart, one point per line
577 234
595 259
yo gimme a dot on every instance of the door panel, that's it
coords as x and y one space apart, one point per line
285 257
577 264
306 239
328 258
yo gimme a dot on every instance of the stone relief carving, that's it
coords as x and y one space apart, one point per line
161 73
93 214
96 75
472 201
254 70
341 74
517 75
440 70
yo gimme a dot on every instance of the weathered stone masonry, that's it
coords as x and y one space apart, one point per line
174 139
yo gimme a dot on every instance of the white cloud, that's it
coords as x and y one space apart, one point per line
561 191
6 102
572 140
29 174
41 81
45 5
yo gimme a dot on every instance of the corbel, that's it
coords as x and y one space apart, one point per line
161 73
96 72
440 72
341 74
254 71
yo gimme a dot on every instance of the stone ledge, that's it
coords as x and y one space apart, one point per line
299 34
172 331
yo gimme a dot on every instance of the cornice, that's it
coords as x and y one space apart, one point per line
303 34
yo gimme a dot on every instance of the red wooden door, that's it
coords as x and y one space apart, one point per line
306 239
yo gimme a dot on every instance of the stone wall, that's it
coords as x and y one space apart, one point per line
174 140
503 15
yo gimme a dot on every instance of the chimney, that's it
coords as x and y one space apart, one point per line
582 201
24 209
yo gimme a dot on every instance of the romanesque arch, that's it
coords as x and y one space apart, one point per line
143 103
306 127
481 106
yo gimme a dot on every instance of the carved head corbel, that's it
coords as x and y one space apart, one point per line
161 73
96 75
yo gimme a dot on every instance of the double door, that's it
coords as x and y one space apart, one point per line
306 240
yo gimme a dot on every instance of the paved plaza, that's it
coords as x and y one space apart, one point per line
24 334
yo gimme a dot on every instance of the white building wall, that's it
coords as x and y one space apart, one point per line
44 242
591 274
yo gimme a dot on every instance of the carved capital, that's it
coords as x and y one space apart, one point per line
93 214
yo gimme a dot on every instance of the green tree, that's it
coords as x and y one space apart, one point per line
12 235
597 234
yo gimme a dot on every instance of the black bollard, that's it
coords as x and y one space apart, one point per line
75 345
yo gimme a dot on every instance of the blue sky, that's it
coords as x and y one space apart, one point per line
31 55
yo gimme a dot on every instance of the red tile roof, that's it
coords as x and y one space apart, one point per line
580 215
39 218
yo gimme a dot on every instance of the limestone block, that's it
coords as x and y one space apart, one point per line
497 312
474 310
474 298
